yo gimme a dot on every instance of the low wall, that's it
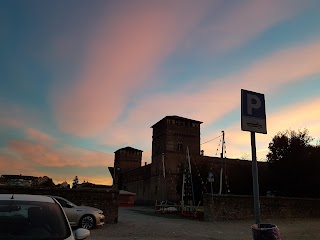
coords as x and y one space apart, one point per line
106 200
230 207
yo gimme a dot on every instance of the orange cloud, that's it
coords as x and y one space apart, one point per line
25 157
8 162
39 154
122 56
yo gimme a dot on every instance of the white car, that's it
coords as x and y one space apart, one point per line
35 217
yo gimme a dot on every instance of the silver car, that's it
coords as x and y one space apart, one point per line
81 216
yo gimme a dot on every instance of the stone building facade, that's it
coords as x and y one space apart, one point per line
159 180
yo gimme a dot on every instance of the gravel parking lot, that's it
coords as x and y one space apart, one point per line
143 223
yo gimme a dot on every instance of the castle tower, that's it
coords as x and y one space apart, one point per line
127 158
170 138
124 159
173 134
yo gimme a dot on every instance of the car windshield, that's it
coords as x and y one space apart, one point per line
32 220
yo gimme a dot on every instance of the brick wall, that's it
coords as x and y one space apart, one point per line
106 200
228 207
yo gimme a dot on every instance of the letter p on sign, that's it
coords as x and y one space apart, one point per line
253 112
253 101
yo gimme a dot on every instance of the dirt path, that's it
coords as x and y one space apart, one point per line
142 223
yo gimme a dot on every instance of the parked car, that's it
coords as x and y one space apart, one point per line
35 217
82 216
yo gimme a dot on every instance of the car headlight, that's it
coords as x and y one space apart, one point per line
100 212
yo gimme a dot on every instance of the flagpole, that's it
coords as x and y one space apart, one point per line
182 191
164 177
188 156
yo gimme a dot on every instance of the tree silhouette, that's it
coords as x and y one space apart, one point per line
75 182
292 162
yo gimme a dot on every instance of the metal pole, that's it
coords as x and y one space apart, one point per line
193 201
182 191
164 178
221 173
211 194
255 179
221 170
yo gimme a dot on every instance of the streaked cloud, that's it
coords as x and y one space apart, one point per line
243 21
121 57
39 136
220 96
36 152
44 155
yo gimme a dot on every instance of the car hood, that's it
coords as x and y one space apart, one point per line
86 208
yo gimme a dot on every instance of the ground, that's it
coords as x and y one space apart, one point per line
143 223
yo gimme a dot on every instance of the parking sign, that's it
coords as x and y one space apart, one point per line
253 112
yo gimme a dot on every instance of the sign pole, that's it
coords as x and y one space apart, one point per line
255 179
211 194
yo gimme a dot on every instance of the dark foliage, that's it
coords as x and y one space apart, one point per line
294 164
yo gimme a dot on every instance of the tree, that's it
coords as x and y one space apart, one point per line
292 162
75 182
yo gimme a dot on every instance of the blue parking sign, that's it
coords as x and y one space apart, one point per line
253 112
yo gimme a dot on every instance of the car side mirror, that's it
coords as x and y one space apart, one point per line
81 233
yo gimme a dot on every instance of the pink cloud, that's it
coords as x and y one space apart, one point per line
8 162
128 48
18 116
221 96
25 157
13 164
123 55
40 149
218 97
243 21
38 154
39 136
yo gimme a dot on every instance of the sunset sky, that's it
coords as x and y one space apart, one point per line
81 79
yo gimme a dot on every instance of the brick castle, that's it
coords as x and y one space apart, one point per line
170 138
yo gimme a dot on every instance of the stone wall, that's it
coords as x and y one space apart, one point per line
106 200
232 207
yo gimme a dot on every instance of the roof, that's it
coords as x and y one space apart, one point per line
129 149
177 118
26 197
